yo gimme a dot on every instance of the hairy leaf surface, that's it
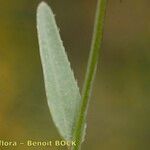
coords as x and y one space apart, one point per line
61 87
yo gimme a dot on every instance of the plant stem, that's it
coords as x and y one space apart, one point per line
91 70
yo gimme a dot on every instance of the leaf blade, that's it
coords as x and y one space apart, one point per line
61 88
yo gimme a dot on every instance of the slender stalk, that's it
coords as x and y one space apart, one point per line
91 70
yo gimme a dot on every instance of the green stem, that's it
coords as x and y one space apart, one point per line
91 70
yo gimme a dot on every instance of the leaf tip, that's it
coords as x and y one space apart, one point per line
42 5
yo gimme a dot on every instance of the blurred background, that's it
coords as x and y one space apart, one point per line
119 112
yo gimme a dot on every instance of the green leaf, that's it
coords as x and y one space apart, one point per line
61 87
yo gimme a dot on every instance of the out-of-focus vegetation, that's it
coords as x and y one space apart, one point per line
119 109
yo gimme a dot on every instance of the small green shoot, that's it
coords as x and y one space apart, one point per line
67 107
